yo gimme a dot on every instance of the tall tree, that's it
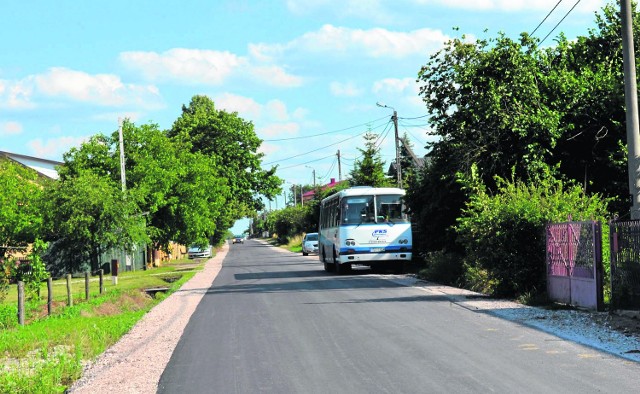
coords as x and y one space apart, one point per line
233 144
369 169
180 192
85 215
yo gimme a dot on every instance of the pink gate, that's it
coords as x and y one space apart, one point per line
574 264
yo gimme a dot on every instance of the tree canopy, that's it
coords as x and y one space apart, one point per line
369 169
20 218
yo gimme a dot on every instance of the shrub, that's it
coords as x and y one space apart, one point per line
442 267
503 234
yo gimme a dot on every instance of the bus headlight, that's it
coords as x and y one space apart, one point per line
403 241
350 242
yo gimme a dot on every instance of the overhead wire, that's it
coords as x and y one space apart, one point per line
306 162
325 133
545 18
558 24
315 150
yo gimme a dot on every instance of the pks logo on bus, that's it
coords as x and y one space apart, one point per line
379 233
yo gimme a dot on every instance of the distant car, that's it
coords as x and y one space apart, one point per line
238 239
310 244
197 252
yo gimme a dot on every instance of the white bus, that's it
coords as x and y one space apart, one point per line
364 226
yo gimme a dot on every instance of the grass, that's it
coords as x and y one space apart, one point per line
47 354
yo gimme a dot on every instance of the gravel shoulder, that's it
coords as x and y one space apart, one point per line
135 363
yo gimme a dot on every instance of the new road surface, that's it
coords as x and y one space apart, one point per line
275 322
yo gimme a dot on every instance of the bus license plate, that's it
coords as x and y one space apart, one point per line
377 250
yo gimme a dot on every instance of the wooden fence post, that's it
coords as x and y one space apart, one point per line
69 296
21 303
86 285
101 273
49 295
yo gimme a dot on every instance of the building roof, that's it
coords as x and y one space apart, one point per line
43 167
309 195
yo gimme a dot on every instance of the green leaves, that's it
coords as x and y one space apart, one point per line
369 169
232 145
20 219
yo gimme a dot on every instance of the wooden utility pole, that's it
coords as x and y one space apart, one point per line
398 165
339 167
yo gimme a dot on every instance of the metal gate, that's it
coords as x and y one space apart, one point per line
574 264
625 264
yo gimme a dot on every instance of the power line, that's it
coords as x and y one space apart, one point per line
328 132
417 117
545 18
315 150
306 162
558 24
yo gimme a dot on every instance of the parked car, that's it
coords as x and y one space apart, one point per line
197 252
310 244
238 239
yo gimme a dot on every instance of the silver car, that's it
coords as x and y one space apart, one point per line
310 244
196 252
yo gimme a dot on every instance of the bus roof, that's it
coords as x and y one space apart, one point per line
365 191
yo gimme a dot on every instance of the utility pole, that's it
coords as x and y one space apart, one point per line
339 167
631 99
301 198
295 196
122 174
398 165
395 125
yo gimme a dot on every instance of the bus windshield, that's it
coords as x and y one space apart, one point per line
389 209
372 209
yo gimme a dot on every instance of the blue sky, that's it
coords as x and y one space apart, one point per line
298 68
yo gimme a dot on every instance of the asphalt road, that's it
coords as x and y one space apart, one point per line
275 322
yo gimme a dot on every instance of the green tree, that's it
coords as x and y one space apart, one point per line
20 214
233 145
85 215
369 169
180 192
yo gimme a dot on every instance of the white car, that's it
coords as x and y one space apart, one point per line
196 252
310 244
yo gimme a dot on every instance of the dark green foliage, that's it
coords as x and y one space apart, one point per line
503 233
442 267
88 213
20 218
369 169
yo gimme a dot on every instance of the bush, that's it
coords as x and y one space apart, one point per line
503 234
442 267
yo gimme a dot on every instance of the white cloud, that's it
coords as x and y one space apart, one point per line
54 147
201 66
186 65
16 94
59 82
373 43
277 110
273 111
274 76
10 128
395 86
245 106
348 89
